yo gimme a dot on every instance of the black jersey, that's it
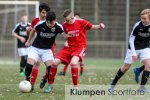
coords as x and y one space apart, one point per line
46 36
142 36
21 30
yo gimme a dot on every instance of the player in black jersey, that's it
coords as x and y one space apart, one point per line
41 46
138 48
137 71
19 32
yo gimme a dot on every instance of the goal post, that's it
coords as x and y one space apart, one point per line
10 14
36 3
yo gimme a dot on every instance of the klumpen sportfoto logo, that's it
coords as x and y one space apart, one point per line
120 92
102 92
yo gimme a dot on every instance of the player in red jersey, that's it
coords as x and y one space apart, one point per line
43 9
63 73
75 29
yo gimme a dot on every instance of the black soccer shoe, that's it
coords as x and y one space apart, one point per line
42 84
61 73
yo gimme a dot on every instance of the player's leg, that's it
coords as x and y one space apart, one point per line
33 57
62 57
127 63
118 75
145 58
35 71
28 68
145 76
22 65
137 72
52 74
74 70
23 54
81 67
45 77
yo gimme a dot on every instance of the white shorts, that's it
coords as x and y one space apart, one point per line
23 51
44 54
142 55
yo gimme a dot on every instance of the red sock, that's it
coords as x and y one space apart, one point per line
65 68
45 76
34 74
53 72
81 67
74 70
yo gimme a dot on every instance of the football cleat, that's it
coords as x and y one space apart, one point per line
43 82
61 73
49 88
137 74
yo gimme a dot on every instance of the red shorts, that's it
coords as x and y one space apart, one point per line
66 53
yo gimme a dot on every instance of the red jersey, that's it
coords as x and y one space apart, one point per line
77 32
34 22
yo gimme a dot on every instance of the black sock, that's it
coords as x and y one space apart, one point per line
28 71
48 70
117 77
145 77
142 68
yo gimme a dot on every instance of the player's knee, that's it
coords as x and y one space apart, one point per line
56 62
30 61
125 68
73 65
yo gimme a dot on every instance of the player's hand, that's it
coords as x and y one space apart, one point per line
66 44
68 35
27 44
134 57
102 25
22 39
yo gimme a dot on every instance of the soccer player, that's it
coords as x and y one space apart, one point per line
75 29
138 48
19 32
43 9
63 73
41 46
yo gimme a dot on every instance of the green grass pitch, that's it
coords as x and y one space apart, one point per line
97 71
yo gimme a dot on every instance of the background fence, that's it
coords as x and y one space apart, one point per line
118 15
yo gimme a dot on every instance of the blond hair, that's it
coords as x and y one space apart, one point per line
145 11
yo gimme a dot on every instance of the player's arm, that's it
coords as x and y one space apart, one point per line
97 27
28 43
14 33
66 44
131 42
29 30
22 39
64 35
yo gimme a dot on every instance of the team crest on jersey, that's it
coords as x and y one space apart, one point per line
148 29
53 29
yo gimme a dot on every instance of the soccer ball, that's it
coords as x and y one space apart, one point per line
25 86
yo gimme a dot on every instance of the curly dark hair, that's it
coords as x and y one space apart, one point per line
44 6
